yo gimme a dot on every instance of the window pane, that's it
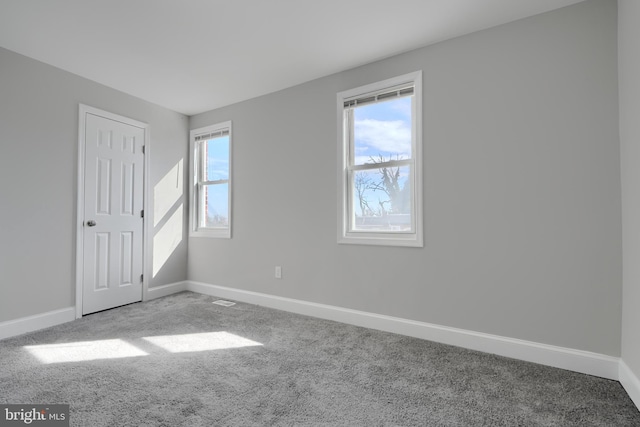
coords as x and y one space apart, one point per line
382 131
216 205
381 200
216 155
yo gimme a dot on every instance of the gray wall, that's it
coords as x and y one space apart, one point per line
629 71
38 179
522 196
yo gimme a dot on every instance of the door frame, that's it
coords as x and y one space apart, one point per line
83 110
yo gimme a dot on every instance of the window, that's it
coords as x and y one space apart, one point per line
380 133
211 181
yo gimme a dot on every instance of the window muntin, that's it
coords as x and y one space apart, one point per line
211 172
380 174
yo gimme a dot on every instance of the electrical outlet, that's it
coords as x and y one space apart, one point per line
278 272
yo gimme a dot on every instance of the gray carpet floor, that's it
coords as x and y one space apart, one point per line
306 372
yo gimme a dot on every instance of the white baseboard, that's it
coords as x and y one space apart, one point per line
630 382
164 290
560 357
33 323
24 325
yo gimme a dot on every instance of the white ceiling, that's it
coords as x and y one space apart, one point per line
195 55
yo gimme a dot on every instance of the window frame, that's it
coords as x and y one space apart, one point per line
196 168
345 153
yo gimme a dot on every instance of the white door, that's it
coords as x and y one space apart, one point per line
113 223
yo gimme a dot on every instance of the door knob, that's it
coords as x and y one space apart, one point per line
91 223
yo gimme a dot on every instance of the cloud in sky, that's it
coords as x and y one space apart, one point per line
389 138
217 169
403 108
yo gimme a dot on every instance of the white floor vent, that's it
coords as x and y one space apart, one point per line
224 303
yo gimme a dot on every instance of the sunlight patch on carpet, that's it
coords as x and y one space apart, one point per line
200 342
83 351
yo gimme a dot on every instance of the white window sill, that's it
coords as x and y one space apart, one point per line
216 234
403 240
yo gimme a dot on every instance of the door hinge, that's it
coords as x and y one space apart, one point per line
141 278
144 149
142 213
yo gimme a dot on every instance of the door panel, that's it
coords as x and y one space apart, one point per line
113 226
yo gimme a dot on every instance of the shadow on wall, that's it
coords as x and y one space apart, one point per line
168 212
